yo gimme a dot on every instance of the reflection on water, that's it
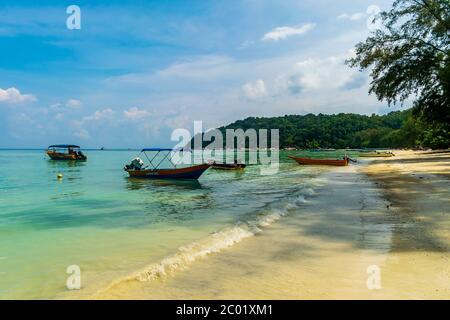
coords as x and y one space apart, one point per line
233 174
68 195
171 200
137 184
182 207
65 164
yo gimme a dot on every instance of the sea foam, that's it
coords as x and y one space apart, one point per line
217 241
221 240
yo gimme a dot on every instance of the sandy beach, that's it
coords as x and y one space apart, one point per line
389 215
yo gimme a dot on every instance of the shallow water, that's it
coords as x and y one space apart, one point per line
112 226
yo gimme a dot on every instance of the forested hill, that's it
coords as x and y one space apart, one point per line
396 129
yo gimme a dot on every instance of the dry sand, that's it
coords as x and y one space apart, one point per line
390 214
417 186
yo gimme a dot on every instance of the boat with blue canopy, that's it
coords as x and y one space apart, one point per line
153 170
68 152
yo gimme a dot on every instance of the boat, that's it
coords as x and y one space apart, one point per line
326 162
227 166
67 152
136 168
376 154
322 150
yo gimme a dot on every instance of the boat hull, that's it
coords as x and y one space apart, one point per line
323 162
225 166
189 173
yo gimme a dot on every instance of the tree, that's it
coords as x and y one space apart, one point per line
396 129
410 58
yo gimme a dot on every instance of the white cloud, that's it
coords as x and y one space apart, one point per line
281 33
73 103
100 115
88 121
321 75
353 17
82 134
56 106
255 90
136 114
13 96
245 44
59 116
181 121
198 68
69 104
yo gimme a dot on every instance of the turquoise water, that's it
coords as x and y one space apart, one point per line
111 226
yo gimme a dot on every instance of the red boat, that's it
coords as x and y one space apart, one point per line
326 162
137 170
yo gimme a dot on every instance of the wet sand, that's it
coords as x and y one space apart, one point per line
390 213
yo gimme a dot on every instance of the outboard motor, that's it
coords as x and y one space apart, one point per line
136 164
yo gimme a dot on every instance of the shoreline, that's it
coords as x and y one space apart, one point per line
417 186
375 213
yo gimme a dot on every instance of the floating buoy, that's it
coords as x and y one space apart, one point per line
59 176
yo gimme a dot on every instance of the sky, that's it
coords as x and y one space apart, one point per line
137 70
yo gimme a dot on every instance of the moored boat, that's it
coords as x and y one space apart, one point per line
68 152
136 168
322 150
191 173
227 166
326 162
376 154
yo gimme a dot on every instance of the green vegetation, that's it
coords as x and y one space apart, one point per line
395 130
409 58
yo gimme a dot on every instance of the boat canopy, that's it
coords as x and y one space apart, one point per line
160 149
156 166
63 146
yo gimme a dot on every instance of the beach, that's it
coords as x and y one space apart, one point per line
386 214
225 150
376 229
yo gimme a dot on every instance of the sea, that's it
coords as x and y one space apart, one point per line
73 237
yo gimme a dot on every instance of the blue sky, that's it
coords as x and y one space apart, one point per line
135 71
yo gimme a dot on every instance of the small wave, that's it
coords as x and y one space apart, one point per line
216 242
300 200
185 256
308 192
188 254
220 240
275 214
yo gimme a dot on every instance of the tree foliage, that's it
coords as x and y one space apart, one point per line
409 58
394 130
